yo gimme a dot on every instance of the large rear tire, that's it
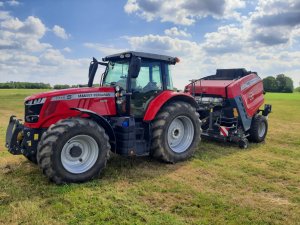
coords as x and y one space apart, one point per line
259 129
31 158
176 132
73 150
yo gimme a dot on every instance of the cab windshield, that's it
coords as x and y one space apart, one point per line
116 74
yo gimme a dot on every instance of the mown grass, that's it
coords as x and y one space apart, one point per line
221 184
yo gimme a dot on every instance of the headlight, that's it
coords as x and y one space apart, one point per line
117 88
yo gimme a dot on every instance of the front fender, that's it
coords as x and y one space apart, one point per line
104 123
164 98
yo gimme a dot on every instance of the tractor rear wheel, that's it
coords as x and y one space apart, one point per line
31 158
259 129
176 132
73 150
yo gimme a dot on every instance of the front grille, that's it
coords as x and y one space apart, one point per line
32 112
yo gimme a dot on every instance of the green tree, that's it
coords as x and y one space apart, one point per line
284 84
270 84
61 86
281 83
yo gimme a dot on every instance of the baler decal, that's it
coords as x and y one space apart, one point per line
84 95
224 131
250 83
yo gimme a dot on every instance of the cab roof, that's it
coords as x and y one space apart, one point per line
150 56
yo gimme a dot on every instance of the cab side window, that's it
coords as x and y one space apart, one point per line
149 78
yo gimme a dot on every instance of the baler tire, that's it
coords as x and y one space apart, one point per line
31 158
254 133
160 148
54 140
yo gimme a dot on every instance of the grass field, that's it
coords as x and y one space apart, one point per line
221 184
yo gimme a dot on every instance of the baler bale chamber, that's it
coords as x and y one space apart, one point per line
230 106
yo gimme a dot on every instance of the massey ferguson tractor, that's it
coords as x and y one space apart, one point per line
135 112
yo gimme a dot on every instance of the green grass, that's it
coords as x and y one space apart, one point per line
221 184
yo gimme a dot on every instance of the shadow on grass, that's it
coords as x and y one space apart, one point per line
210 149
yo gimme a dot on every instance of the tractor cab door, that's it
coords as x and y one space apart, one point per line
145 87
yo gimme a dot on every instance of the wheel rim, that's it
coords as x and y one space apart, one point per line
261 129
180 134
79 154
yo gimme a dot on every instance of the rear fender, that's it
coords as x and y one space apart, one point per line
102 122
165 98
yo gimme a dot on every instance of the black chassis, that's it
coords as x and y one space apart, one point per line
132 136
237 133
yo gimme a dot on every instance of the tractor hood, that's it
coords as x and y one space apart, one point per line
72 92
44 109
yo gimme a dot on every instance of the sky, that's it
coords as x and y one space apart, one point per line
54 41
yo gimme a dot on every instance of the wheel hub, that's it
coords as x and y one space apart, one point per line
180 134
261 130
176 133
79 154
75 151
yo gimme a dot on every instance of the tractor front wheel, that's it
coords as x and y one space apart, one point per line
175 132
73 150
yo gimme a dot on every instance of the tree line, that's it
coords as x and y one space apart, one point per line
280 83
24 85
30 85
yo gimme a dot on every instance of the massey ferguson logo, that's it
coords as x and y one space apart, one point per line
84 95
250 83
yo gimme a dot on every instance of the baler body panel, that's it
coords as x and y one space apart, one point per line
58 104
210 87
249 88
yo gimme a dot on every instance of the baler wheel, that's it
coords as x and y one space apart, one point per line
259 129
73 150
176 132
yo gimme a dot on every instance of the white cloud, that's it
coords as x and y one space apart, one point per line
225 48
104 49
67 49
16 34
165 44
184 12
25 58
131 6
1 4
60 32
273 22
4 15
174 31
13 3
189 52
226 39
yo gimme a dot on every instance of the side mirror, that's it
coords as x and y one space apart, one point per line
92 71
134 67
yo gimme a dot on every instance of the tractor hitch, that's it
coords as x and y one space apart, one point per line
14 136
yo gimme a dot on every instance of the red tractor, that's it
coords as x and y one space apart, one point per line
135 112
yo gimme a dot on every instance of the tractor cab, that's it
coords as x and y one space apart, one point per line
138 77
